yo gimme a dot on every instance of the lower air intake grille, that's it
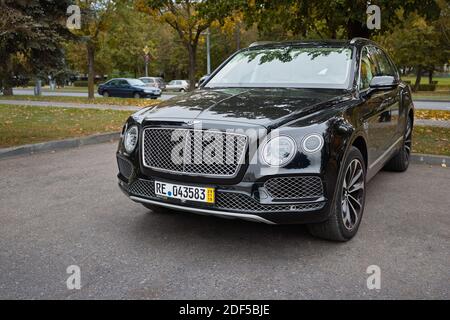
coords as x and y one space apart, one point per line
125 167
299 187
244 203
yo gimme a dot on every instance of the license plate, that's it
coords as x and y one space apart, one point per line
181 192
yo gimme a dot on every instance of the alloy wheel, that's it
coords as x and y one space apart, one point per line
408 139
352 194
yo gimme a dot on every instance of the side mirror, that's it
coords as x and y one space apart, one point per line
383 83
203 79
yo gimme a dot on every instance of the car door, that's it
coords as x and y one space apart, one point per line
378 106
111 88
391 120
124 89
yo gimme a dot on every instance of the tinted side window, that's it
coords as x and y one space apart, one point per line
368 68
112 83
123 83
386 68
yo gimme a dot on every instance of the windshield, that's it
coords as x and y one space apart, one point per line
293 67
136 82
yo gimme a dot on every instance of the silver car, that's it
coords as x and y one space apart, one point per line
156 82
178 85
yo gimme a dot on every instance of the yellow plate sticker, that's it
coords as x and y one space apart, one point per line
210 195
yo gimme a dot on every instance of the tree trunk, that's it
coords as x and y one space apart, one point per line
357 29
7 91
418 78
430 76
91 69
192 66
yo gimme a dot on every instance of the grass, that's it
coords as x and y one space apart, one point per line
432 95
23 124
86 100
423 114
424 80
431 140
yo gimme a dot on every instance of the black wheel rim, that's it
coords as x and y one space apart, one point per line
352 194
408 139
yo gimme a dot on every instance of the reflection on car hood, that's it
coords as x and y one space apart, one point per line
265 107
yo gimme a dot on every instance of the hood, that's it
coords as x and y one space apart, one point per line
264 107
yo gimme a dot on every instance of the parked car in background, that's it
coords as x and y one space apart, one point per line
178 85
156 82
128 88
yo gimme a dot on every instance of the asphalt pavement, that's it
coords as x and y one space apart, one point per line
62 209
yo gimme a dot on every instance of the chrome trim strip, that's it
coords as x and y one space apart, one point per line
223 214
385 153
238 167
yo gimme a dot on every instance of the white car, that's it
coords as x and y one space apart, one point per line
178 85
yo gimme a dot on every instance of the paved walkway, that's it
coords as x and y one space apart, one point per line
69 105
432 123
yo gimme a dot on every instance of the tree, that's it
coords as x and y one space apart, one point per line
328 18
96 20
418 43
190 19
31 34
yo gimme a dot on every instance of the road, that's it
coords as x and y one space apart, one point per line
64 208
422 104
29 92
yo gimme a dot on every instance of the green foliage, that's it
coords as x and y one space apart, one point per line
427 87
30 39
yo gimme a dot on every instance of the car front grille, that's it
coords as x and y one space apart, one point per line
125 167
230 201
298 187
194 152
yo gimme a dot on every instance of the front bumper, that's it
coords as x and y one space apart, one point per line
236 201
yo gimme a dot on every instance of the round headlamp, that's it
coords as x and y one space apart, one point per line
130 139
312 143
279 151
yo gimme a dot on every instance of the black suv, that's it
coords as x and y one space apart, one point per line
280 133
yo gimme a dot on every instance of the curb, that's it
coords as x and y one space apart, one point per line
430 159
58 145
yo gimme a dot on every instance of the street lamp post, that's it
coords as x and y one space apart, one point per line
147 59
208 51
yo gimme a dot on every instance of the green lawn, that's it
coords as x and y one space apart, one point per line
86 100
424 80
23 125
431 140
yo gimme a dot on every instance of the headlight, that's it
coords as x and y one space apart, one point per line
279 151
131 139
312 143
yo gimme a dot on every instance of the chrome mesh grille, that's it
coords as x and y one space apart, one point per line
241 202
230 201
125 167
299 187
143 188
197 152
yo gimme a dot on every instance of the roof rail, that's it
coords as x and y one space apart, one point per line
359 38
260 43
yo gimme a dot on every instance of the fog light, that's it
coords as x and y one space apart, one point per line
312 143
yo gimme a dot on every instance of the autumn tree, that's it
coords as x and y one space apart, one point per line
190 19
96 19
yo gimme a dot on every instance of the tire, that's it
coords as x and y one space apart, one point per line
137 95
106 94
346 214
400 162
157 209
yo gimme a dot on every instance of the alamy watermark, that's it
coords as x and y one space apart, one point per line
73 282
374 279
373 17
74 20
